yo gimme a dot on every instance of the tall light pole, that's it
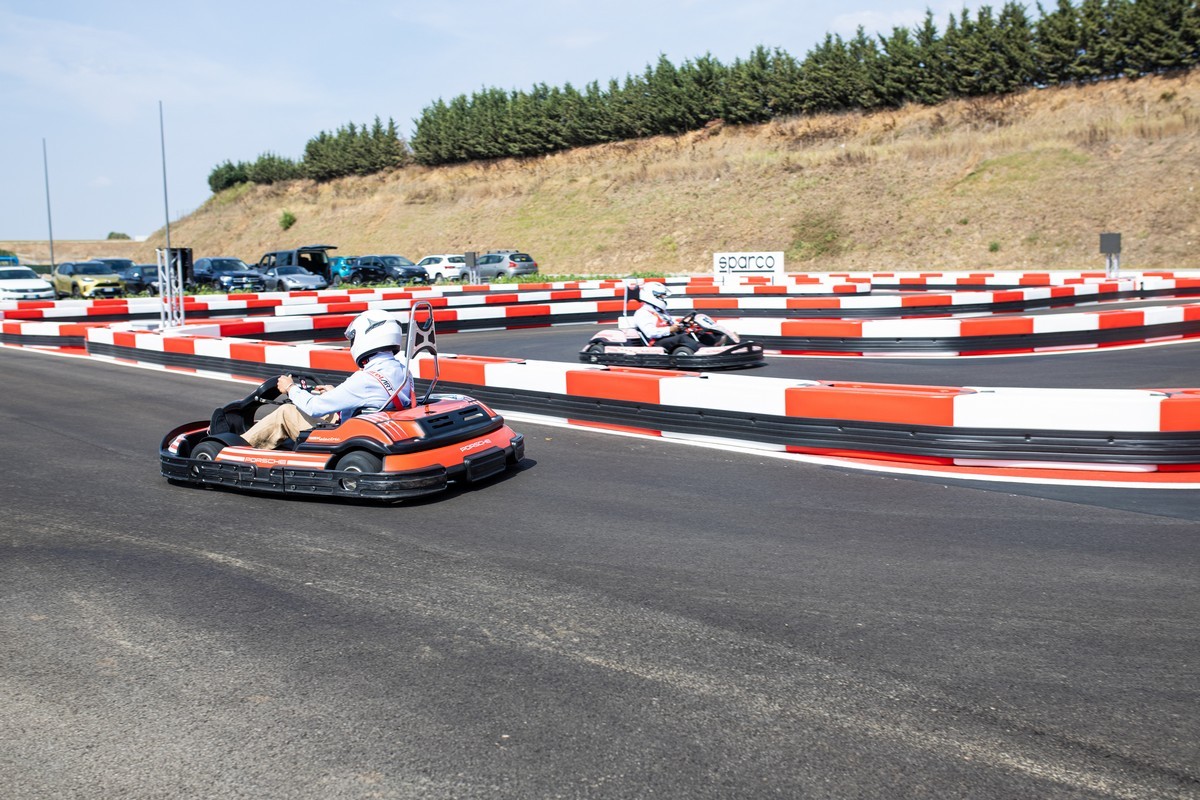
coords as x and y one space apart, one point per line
49 220
170 264
162 138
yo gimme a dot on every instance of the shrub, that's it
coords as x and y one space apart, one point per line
271 168
228 174
113 235
286 220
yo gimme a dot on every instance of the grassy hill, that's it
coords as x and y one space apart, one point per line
1025 181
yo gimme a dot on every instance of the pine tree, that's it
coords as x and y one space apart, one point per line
1154 35
931 85
899 69
1056 43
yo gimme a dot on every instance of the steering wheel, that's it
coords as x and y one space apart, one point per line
306 382
268 390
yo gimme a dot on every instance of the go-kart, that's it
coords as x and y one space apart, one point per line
375 455
720 347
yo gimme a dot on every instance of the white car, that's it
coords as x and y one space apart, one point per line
445 267
22 283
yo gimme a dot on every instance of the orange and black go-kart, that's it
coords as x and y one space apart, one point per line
718 347
382 455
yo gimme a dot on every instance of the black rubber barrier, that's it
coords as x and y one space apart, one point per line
30 340
816 434
985 344
885 312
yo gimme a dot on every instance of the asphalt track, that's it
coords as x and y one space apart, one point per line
621 618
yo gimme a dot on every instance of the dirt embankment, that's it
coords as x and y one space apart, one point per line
1027 181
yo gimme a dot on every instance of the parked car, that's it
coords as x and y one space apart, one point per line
86 279
505 264
444 267
313 257
398 268
22 283
350 270
115 263
138 277
292 279
227 275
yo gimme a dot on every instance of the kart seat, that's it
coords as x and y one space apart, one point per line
626 326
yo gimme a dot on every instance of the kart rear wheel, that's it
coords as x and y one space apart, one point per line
357 461
207 451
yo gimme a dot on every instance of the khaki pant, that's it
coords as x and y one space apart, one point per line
285 422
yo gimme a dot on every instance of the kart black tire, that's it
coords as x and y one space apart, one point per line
207 451
594 351
357 461
682 357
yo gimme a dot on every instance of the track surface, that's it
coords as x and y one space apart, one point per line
621 618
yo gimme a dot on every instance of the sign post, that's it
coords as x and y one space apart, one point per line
1110 247
727 264
472 266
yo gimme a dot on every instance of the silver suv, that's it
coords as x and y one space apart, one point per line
505 265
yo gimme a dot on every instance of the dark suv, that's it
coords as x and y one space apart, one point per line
227 275
312 257
397 268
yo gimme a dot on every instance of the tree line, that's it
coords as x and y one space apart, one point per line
985 53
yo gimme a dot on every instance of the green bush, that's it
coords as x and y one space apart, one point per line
271 168
286 220
228 174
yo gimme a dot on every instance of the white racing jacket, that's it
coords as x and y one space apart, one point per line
383 382
652 323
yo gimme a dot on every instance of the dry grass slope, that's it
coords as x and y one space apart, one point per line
1027 181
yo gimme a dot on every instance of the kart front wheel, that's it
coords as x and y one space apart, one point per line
594 351
207 451
358 461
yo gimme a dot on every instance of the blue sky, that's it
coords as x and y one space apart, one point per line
238 79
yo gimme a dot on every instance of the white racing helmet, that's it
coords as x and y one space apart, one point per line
655 294
372 331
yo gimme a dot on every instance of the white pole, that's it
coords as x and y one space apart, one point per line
49 220
170 269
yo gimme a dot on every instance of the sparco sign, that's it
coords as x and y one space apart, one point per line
748 263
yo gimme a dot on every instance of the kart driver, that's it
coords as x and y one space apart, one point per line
659 327
381 383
